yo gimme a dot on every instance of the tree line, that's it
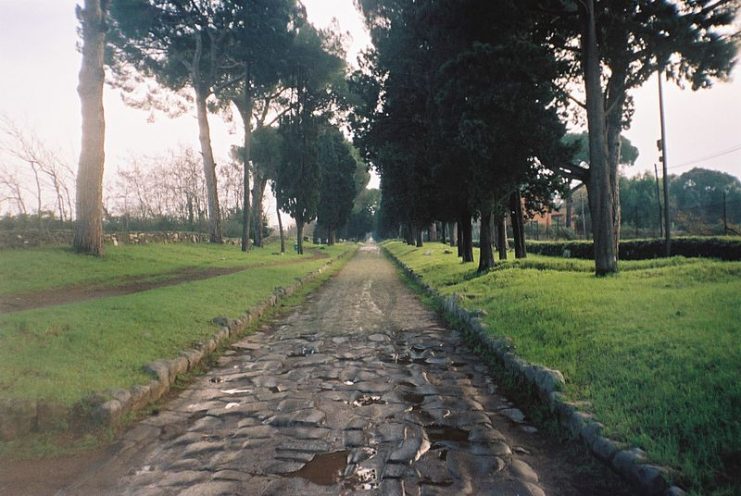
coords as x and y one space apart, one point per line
260 59
463 103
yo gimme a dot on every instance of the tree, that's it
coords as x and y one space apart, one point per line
638 202
493 94
392 122
266 158
180 44
261 36
614 47
363 216
705 197
317 70
88 236
28 152
580 142
338 182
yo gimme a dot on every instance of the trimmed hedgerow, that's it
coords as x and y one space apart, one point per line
724 248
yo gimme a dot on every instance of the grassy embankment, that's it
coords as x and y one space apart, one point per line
656 350
62 353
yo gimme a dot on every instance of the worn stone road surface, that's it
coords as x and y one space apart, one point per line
360 391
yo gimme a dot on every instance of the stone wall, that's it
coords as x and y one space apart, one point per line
31 238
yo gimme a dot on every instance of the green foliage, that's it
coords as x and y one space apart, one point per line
723 248
317 70
38 269
363 218
628 152
638 202
447 102
267 146
653 350
701 195
337 187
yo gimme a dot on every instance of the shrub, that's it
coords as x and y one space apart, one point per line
724 248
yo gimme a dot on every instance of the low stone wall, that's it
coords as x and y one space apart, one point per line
629 462
21 417
32 238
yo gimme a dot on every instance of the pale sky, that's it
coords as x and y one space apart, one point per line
39 79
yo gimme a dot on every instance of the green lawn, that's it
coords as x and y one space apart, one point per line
34 269
655 349
64 352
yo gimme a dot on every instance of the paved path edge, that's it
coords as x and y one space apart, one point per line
628 462
107 409
110 413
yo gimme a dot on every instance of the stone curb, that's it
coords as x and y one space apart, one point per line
628 462
21 417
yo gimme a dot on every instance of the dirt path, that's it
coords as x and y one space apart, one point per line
362 390
134 284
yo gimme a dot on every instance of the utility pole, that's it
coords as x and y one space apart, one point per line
667 227
658 200
725 216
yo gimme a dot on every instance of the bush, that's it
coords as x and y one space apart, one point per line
724 248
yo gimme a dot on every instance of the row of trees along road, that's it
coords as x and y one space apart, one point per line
463 101
261 56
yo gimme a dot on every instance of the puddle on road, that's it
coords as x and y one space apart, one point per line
415 399
302 352
446 436
430 482
367 399
324 470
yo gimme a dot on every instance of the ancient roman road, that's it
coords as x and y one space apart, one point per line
361 390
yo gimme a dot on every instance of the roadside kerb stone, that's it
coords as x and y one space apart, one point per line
22 417
629 463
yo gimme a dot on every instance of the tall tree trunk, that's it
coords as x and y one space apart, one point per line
300 236
433 232
443 232
599 185
466 236
418 231
569 208
89 226
518 224
280 228
614 126
502 237
258 191
486 254
209 169
39 218
332 236
459 238
453 233
245 110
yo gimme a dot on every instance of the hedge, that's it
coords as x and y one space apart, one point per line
724 248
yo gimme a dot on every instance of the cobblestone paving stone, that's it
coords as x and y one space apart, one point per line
361 391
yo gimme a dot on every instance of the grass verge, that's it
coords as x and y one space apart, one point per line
36 269
654 350
62 353
63 443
